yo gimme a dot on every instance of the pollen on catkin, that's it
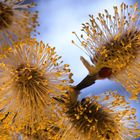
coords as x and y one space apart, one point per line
44 134
113 45
103 117
16 21
30 75
4 133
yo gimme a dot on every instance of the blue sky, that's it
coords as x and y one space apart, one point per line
58 18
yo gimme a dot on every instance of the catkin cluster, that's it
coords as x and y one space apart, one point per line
37 98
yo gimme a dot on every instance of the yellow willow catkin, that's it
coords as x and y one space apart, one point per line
113 45
104 117
30 76
16 21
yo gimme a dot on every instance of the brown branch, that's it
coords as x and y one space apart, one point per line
86 82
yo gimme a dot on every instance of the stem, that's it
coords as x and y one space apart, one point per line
87 81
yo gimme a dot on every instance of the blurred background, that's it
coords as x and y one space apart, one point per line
58 18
